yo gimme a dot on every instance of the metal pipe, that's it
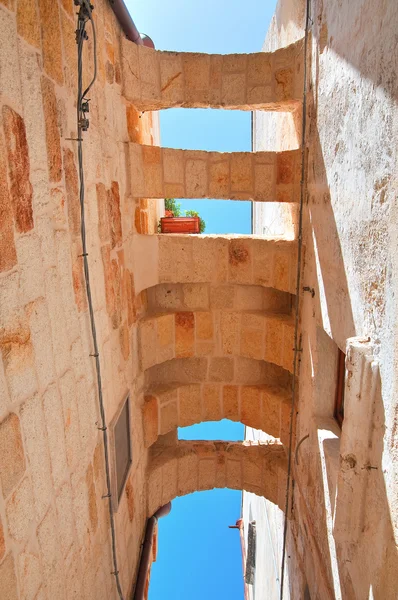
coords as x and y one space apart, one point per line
139 592
127 24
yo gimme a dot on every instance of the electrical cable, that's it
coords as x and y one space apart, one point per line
297 349
84 15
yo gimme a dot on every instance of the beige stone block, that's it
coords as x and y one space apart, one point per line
8 579
12 459
165 330
42 345
240 261
251 406
189 403
252 343
221 369
171 77
170 480
175 258
263 263
230 402
187 474
54 421
211 404
50 548
154 490
30 574
20 511
184 334
61 334
249 297
196 179
205 348
241 172
216 64
259 69
153 171
264 183
137 180
219 178
10 83
30 261
35 435
282 267
252 474
149 66
259 95
196 71
207 474
209 259
229 332
51 40
271 409
65 517
67 386
173 167
147 343
233 92
150 418
222 296
168 418
284 84
248 370
234 474
235 63
196 296
131 71
204 325
273 340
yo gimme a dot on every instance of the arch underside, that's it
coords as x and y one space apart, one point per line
185 467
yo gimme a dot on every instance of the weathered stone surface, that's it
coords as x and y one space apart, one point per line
51 40
52 131
72 191
28 22
8 255
12 459
19 169
8 578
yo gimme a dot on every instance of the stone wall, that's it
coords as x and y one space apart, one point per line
54 525
343 528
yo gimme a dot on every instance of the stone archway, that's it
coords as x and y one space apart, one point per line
189 466
264 407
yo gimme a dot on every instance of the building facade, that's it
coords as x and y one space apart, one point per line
169 330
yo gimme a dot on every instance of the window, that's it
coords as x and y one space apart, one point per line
121 451
339 398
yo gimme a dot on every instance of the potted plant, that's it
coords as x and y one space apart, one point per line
174 222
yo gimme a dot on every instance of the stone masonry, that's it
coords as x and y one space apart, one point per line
192 328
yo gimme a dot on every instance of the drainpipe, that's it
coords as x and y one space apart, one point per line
127 24
139 592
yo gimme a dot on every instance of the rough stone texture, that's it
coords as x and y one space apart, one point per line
12 457
259 407
212 464
261 176
340 537
19 169
153 80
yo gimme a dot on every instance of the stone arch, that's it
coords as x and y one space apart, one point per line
264 407
219 334
189 466
169 173
213 259
154 80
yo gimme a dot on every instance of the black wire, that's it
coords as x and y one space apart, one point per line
297 303
84 16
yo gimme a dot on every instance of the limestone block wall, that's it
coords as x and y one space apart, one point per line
54 525
166 336
209 259
262 176
185 467
264 407
342 537
154 80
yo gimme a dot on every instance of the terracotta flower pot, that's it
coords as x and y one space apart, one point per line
180 225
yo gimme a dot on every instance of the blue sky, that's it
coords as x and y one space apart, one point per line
199 557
